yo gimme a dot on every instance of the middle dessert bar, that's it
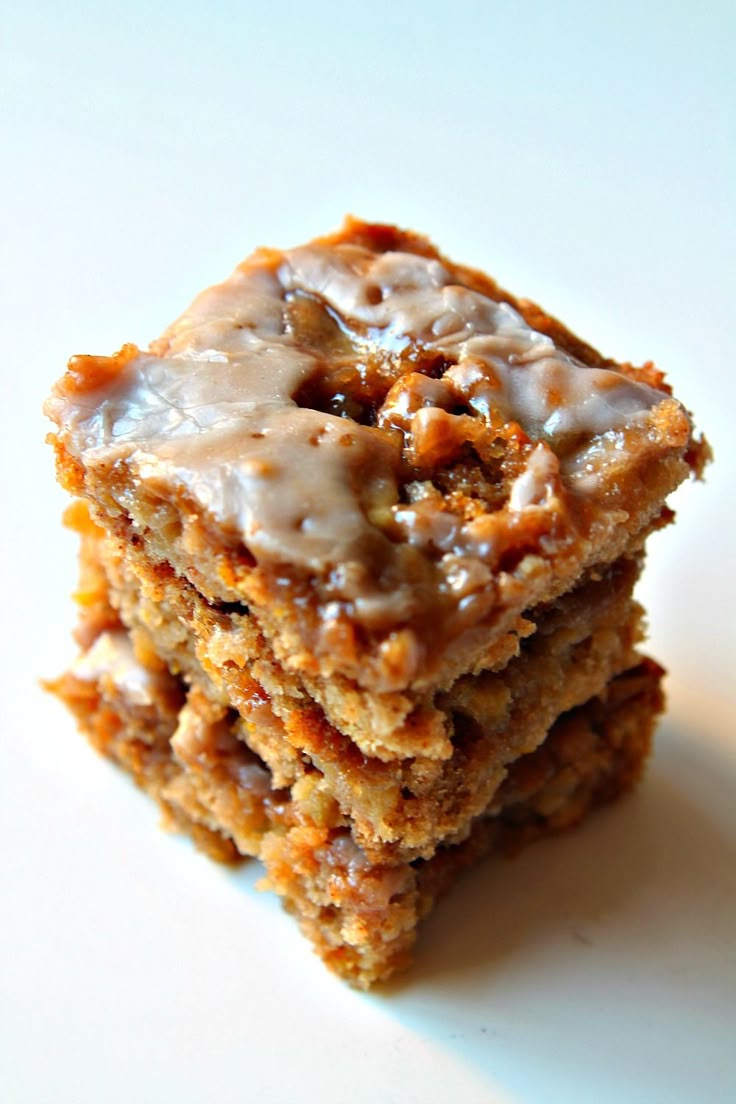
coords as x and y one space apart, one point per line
408 805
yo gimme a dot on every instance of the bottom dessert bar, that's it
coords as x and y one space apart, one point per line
360 914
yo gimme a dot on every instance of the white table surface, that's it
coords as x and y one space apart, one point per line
585 158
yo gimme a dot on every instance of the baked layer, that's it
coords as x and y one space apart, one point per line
360 914
488 720
384 456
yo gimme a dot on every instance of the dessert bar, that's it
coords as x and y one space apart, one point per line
367 527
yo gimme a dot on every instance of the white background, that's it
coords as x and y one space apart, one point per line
582 153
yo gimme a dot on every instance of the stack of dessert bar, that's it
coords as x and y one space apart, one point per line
360 534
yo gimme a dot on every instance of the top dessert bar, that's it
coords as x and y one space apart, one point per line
381 458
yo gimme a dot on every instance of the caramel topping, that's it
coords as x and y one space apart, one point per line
294 402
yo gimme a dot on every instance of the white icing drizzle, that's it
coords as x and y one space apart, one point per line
536 484
213 413
112 657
